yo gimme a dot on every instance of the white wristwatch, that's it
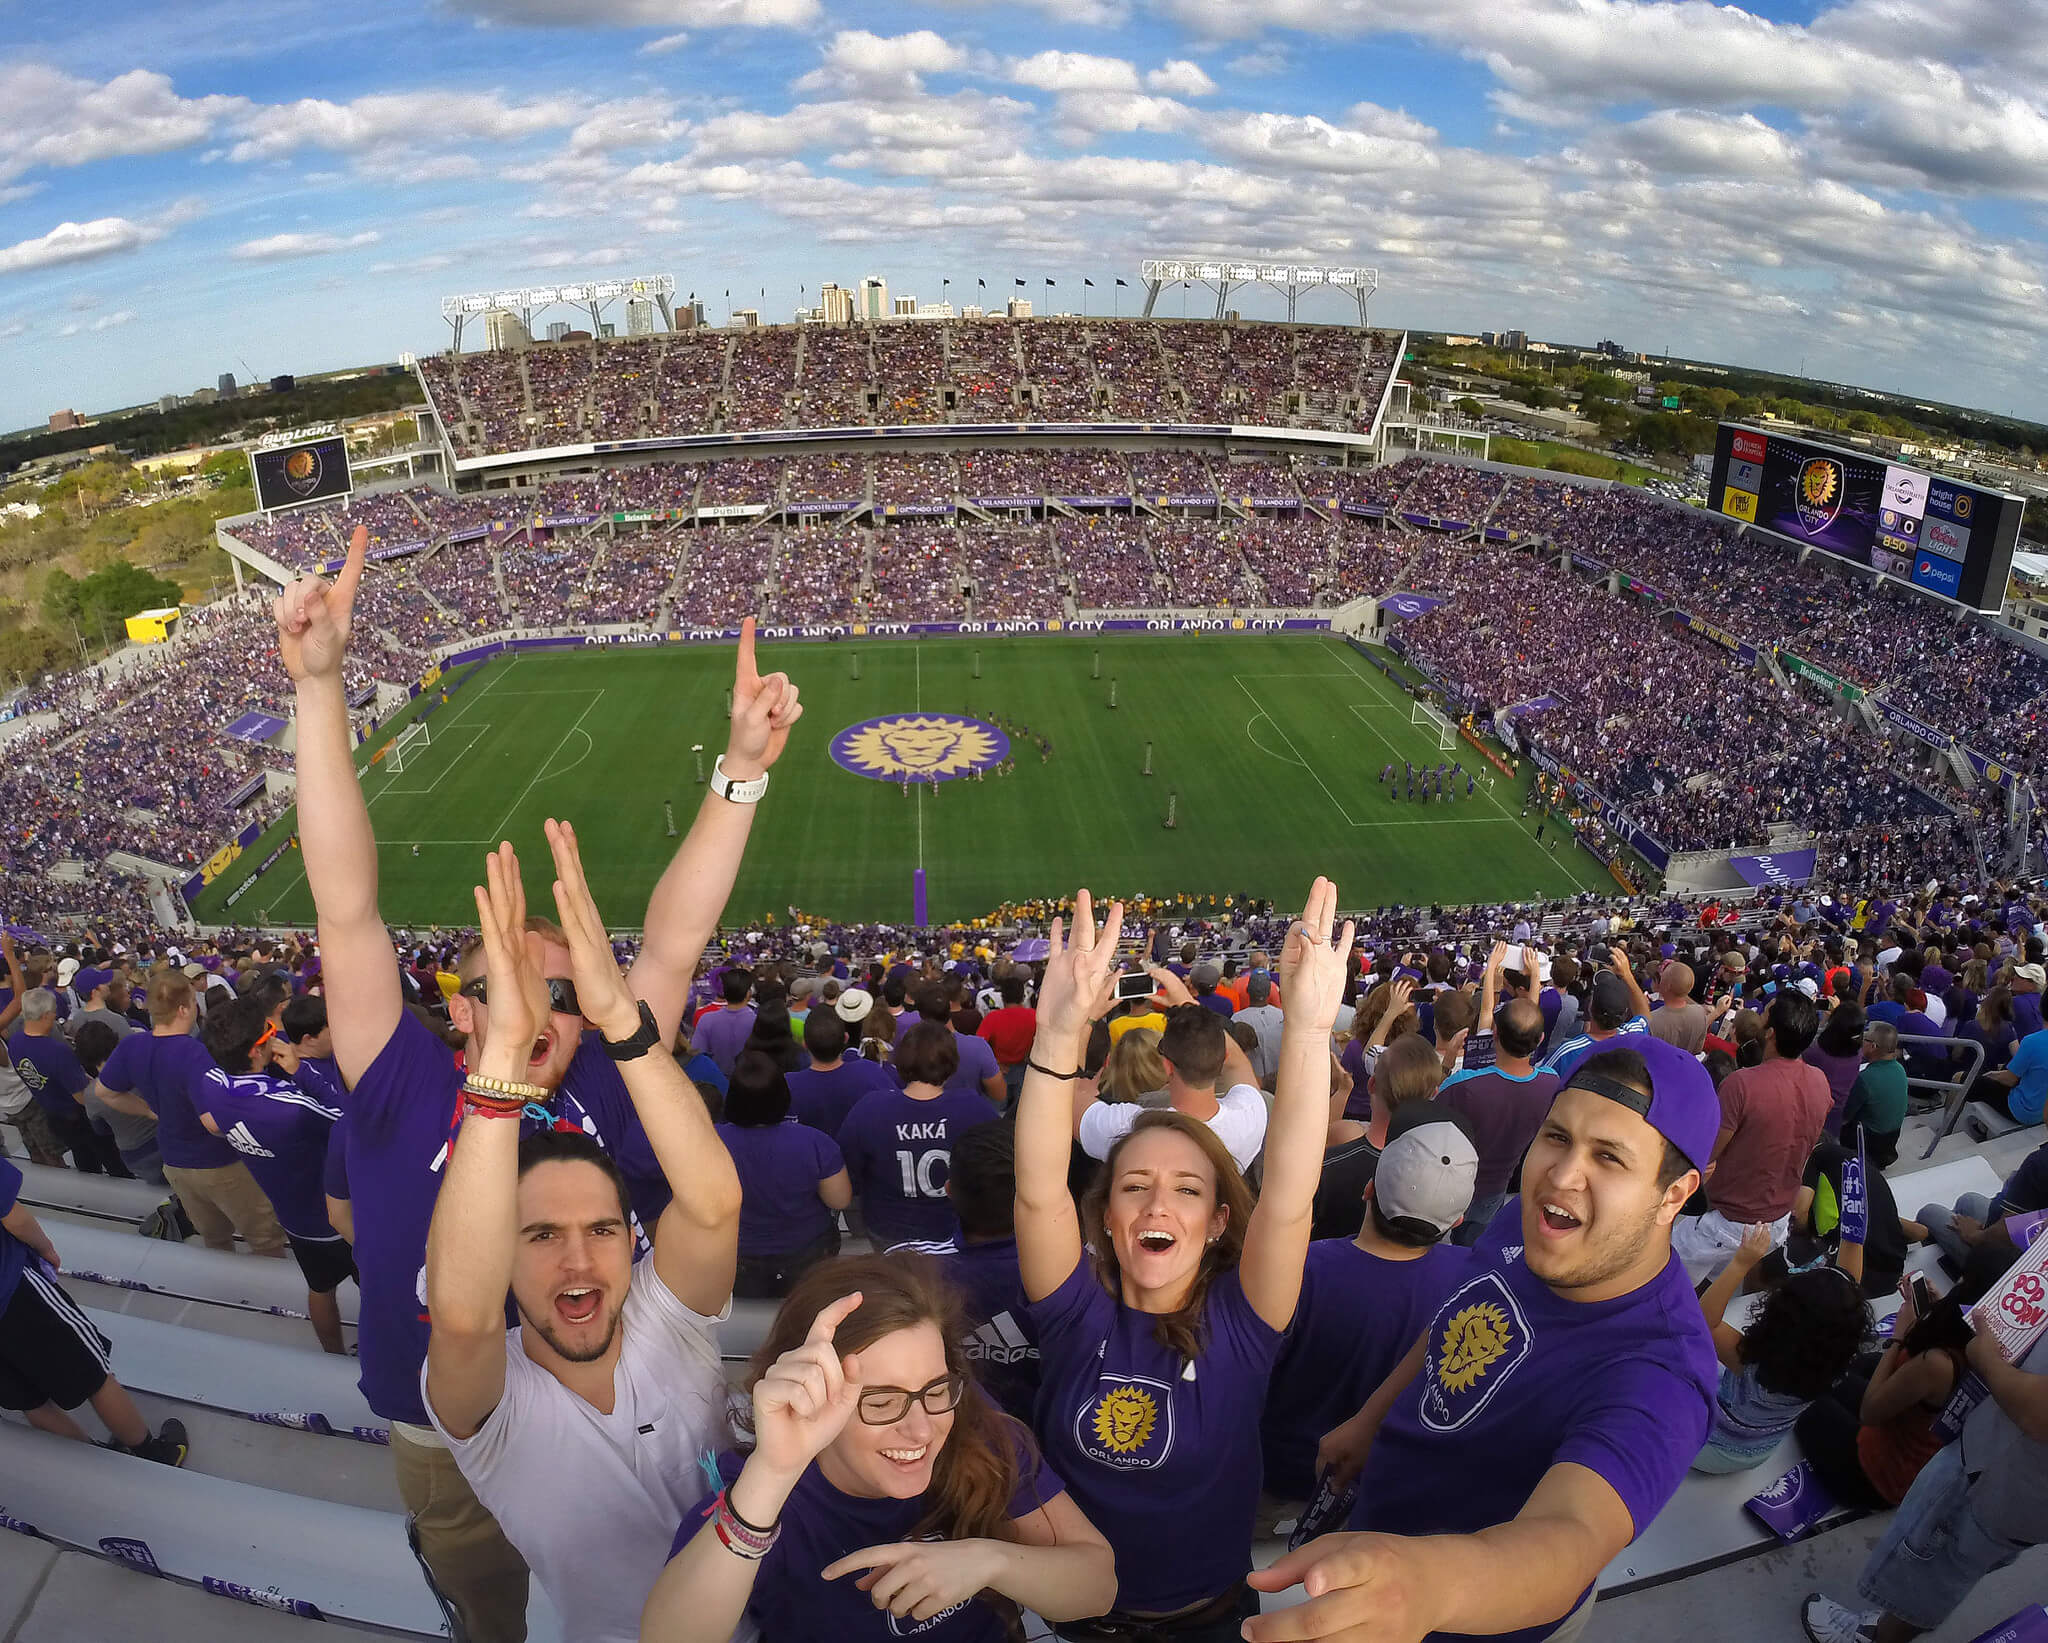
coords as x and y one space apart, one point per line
736 792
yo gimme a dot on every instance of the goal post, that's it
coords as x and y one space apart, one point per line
406 746
1434 723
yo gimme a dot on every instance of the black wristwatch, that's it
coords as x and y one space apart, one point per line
633 1048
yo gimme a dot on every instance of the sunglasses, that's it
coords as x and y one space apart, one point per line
886 1405
561 994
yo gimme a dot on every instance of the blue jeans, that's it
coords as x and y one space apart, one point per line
1481 1211
146 1164
1935 1551
1940 1223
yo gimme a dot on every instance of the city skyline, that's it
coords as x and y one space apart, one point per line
224 187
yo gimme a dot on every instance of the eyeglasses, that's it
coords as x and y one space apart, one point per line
886 1405
561 994
269 1033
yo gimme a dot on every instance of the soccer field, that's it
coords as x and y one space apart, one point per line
1273 746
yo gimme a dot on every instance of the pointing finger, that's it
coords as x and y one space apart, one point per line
827 1322
749 676
351 572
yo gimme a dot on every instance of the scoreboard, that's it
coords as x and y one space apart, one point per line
309 471
1952 540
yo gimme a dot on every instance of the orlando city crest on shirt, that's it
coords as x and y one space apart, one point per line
1128 1423
1477 1340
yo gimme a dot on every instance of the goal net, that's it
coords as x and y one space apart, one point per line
1434 723
407 747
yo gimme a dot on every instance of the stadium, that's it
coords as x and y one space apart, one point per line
1707 806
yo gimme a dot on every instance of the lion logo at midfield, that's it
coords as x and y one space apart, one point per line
1124 1420
919 747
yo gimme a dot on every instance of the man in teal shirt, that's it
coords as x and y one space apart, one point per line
2025 1079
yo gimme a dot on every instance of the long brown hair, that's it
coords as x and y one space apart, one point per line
1180 1331
976 1473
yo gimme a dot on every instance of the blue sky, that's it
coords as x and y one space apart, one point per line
288 186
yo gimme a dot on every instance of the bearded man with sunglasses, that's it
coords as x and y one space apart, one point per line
403 1086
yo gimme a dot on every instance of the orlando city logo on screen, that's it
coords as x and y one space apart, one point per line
1819 496
302 470
919 747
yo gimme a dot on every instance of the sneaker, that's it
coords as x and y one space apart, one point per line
1826 1621
168 1447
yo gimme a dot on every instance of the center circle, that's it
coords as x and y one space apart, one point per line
919 747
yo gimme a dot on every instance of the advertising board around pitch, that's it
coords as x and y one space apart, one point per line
291 475
1947 538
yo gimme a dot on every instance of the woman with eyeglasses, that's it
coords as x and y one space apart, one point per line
886 1495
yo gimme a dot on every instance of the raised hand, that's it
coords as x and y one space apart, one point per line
762 712
1169 990
314 616
516 998
1311 968
607 1003
806 1397
1080 973
916 1579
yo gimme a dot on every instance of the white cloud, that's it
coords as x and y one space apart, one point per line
77 242
1093 14
1180 78
1082 115
664 45
856 60
1074 71
1375 140
57 119
432 263
389 120
687 14
1262 62
1689 142
113 321
279 247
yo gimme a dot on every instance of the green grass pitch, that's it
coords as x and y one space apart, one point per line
1273 745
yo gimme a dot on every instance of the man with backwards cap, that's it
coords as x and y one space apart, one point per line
1554 1402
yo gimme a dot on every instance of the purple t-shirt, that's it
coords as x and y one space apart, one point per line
320 1077
898 1151
1115 1404
723 1034
282 1134
14 1255
50 1071
399 1116
820 1526
1505 1112
780 1166
334 1175
823 1099
161 1071
1001 1340
1517 1380
1357 1317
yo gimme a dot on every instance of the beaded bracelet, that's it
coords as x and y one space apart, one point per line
740 1537
502 1088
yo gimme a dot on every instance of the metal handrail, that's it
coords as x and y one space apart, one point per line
1953 1091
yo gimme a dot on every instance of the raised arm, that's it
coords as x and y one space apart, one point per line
687 903
475 1231
1079 978
696 1246
357 970
1311 988
1756 1244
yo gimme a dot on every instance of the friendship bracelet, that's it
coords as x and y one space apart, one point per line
485 1109
1065 1078
725 1496
738 1536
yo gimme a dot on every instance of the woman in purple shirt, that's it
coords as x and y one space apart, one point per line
793 1182
1838 1052
1156 1353
886 1497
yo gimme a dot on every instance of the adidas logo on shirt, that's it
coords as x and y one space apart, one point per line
1000 1341
242 1141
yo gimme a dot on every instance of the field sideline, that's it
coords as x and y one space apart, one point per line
1273 744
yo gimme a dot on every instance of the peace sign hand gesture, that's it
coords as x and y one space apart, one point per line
1311 969
314 616
1080 975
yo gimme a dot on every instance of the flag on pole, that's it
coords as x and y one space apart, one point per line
1120 282
1087 282
1048 282
982 283
1020 282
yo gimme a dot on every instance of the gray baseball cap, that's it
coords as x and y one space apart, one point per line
1427 1171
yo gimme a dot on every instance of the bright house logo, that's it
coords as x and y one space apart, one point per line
919 747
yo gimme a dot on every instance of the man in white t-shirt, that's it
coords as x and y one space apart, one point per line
581 1429
1198 1051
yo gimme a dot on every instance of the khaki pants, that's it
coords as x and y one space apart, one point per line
226 1201
480 1576
1573 1626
